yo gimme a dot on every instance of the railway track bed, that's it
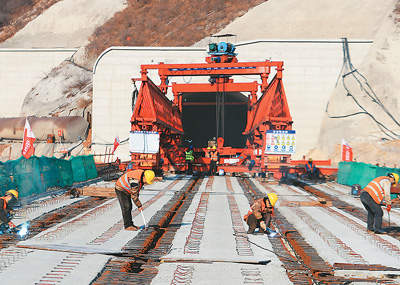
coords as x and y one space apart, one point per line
196 235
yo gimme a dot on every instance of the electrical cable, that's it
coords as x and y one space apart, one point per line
381 126
347 63
266 249
217 107
135 93
223 109
278 255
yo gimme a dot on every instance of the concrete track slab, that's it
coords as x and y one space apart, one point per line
211 238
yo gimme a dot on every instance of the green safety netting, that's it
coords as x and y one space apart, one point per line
37 174
350 173
83 168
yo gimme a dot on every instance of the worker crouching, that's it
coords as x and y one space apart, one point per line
127 186
261 213
6 206
312 171
375 194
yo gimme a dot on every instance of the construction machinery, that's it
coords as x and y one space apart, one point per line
249 121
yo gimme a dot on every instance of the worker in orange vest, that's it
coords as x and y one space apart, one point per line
311 170
6 205
127 186
261 213
376 193
214 160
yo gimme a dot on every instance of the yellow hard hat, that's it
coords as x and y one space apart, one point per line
13 192
149 176
310 159
395 176
214 147
272 197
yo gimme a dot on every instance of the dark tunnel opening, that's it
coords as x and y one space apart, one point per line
200 121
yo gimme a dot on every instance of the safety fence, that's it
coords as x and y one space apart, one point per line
37 174
351 173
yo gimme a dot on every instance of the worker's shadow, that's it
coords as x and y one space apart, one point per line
393 230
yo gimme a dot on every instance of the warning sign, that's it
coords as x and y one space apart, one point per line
280 142
144 142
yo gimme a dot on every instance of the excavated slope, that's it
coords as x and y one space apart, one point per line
364 107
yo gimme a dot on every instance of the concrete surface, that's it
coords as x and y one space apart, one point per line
316 224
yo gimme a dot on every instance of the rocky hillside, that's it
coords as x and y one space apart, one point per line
16 14
166 23
75 23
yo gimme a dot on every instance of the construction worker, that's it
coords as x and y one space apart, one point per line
375 194
6 205
311 170
189 160
127 186
214 160
260 214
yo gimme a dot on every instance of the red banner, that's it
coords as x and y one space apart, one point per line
27 146
347 152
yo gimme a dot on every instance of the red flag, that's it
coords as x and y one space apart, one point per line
29 137
347 151
116 144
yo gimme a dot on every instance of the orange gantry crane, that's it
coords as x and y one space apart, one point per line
250 121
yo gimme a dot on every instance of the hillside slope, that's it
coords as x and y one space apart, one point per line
16 14
364 107
67 23
311 19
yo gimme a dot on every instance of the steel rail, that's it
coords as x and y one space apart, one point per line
143 252
308 265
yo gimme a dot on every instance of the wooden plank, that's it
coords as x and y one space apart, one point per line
97 191
71 248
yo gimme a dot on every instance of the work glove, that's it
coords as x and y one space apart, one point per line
11 225
388 208
263 226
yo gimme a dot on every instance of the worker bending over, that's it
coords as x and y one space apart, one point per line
260 214
311 170
127 186
6 205
375 194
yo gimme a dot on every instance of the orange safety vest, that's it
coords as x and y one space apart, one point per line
123 181
214 155
263 206
375 190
